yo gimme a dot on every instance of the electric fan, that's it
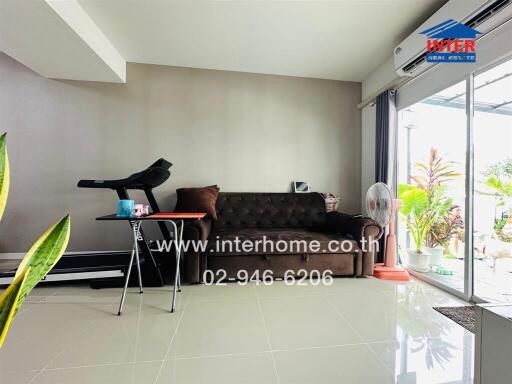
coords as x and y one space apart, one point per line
381 207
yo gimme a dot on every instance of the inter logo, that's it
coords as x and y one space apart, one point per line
450 42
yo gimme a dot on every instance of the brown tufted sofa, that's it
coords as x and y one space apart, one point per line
285 217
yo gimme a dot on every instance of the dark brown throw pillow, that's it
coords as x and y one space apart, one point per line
197 200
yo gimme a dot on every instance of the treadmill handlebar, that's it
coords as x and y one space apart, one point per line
151 177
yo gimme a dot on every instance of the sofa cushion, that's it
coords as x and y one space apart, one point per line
237 210
278 241
197 200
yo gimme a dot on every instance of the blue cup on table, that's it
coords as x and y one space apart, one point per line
125 208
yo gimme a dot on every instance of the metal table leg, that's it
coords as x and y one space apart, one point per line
136 233
178 244
128 273
179 282
182 224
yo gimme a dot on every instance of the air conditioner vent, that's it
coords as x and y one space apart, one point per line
476 20
413 65
410 55
487 13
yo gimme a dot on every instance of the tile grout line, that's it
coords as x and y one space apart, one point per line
223 355
139 321
104 365
33 304
344 319
263 298
85 329
157 377
187 302
269 351
210 356
369 344
134 361
39 371
391 372
379 360
260 310
220 355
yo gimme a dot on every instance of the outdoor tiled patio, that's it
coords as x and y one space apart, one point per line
490 284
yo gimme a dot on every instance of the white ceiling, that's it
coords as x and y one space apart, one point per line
342 40
57 39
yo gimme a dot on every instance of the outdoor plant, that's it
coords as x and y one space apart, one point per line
502 189
424 205
38 261
500 169
442 231
498 183
436 172
413 211
420 211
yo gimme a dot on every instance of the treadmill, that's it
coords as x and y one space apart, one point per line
151 177
102 267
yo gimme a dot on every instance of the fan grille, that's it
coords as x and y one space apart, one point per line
379 203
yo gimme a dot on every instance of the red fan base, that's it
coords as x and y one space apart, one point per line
380 271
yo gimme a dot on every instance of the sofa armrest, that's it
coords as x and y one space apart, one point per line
362 230
356 227
195 231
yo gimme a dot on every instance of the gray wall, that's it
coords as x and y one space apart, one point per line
368 132
244 132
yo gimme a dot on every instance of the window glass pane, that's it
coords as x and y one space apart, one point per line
493 73
456 91
432 155
493 184
494 94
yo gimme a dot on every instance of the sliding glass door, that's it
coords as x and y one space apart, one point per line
432 147
493 183
455 180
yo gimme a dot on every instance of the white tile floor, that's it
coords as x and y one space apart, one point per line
355 331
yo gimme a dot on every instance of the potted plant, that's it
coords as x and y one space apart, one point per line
421 211
436 252
443 227
414 212
431 178
438 238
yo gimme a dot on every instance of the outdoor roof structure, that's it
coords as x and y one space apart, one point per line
493 92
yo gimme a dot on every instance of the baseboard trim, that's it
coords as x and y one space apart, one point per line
11 256
19 255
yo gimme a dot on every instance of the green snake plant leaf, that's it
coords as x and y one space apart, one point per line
4 174
43 255
8 303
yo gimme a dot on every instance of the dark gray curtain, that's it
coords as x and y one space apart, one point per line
385 110
382 137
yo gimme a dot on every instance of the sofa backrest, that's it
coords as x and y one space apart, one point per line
270 210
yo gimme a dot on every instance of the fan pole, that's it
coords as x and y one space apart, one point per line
390 260
389 270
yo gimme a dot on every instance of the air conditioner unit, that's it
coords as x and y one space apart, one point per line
483 15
